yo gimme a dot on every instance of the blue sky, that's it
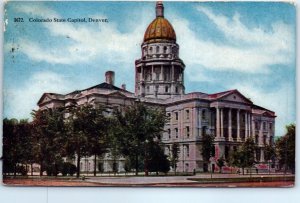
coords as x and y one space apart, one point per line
244 46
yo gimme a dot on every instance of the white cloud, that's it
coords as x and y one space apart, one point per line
281 101
20 101
88 41
250 50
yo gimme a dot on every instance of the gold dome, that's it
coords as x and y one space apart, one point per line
159 29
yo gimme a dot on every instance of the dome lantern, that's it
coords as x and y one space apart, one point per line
159 9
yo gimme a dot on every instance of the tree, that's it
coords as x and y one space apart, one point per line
270 154
156 160
16 146
286 149
245 155
175 156
208 150
81 125
136 127
48 139
220 163
97 133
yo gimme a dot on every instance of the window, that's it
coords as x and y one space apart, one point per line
270 126
176 116
264 125
265 139
169 133
148 89
176 132
166 89
167 150
157 76
203 130
271 140
168 115
203 114
165 50
187 114
157 49
187 128
150 50
156 88
187 148
176 89
256 126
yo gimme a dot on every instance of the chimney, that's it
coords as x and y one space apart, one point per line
110 77
123 86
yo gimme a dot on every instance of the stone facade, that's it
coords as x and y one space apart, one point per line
159 81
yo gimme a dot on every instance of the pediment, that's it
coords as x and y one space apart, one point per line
117 94
236 96
45 97
268 114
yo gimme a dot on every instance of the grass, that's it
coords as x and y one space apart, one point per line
243 179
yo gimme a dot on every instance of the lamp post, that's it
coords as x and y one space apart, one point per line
146 158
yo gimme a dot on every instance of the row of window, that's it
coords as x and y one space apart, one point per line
157 50
167 89
187 132
187 114
257 126
186 150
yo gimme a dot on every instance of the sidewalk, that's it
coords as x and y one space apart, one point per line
172 179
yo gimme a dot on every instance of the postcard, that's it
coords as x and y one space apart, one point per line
149 94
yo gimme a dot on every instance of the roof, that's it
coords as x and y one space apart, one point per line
159 29
261 110
103 85
220 94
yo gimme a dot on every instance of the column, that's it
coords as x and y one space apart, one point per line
152 71
253 127
238 125
195 121
260 134
161 77
246 125
180 122
249 125
222 124
142 74
229 126
218 122
172 74
262 155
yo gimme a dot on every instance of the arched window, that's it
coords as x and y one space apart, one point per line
166 89
150 50
157 49
165 49
176 89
